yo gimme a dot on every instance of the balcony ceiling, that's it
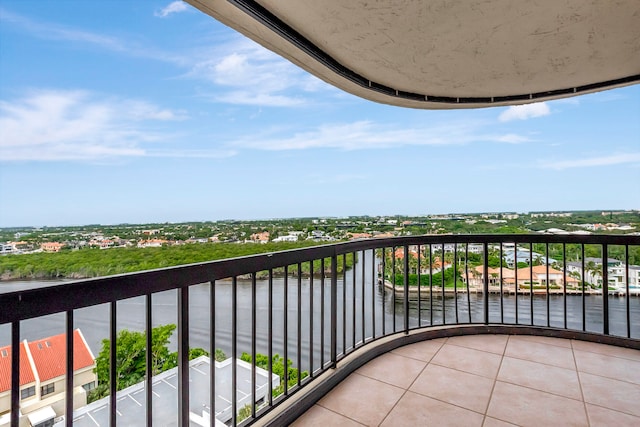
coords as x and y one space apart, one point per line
441 54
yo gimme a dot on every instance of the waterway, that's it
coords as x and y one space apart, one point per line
94 321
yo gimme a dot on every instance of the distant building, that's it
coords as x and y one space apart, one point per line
52 246
42 379
260 237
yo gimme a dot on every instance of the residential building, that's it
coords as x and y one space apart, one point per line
52 246
42 378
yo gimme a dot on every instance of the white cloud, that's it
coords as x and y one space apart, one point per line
76 125
245 73
511 138
369 135
524 112
173 7
614 159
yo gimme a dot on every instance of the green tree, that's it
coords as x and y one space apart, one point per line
131 358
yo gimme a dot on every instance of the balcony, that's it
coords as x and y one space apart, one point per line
470 338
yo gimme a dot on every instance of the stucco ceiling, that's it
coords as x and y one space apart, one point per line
439 54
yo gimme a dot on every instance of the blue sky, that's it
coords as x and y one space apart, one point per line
117 111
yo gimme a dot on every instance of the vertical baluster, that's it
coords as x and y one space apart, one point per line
112 364
285 333
362 300
353 302
149 361
299 327
384 292
444 316
515 262
69 371
605 288
234 351
547 272
626 280
584 313
15 373
311 316
322 314
344 304
253 345
430 284
270 333
455 281
531 282
564 284
406 289
485 291
183 358
501 289
373 293
393 281
419 287
466 272
334 311
212 352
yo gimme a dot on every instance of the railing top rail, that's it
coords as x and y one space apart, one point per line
25 304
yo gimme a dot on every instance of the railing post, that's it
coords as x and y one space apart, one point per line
113 362
15 373
406 289
68 404
334 310
605 288
485 285
183 357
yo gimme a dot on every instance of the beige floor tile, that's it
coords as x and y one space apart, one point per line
459 388
468 360
541 353
493 422
318 416
491 343
602 417
609 393
417 410
527 407
541 377
608 366
610 350
393 369
558 342
424 350
363 399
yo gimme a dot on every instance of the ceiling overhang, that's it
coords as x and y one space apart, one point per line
443 54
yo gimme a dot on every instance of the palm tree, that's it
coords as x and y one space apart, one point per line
595 270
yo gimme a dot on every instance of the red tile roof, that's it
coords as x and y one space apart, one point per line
26 374
49 355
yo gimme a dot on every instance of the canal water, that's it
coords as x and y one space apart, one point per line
94 321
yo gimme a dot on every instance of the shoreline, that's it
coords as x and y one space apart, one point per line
436 290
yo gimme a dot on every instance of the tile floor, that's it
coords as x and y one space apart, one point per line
488 380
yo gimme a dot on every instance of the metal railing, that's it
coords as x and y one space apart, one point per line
316 306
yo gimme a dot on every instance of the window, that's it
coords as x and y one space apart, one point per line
28 392
47 389
89 386
4 352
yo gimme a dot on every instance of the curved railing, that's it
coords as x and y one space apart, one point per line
329 309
